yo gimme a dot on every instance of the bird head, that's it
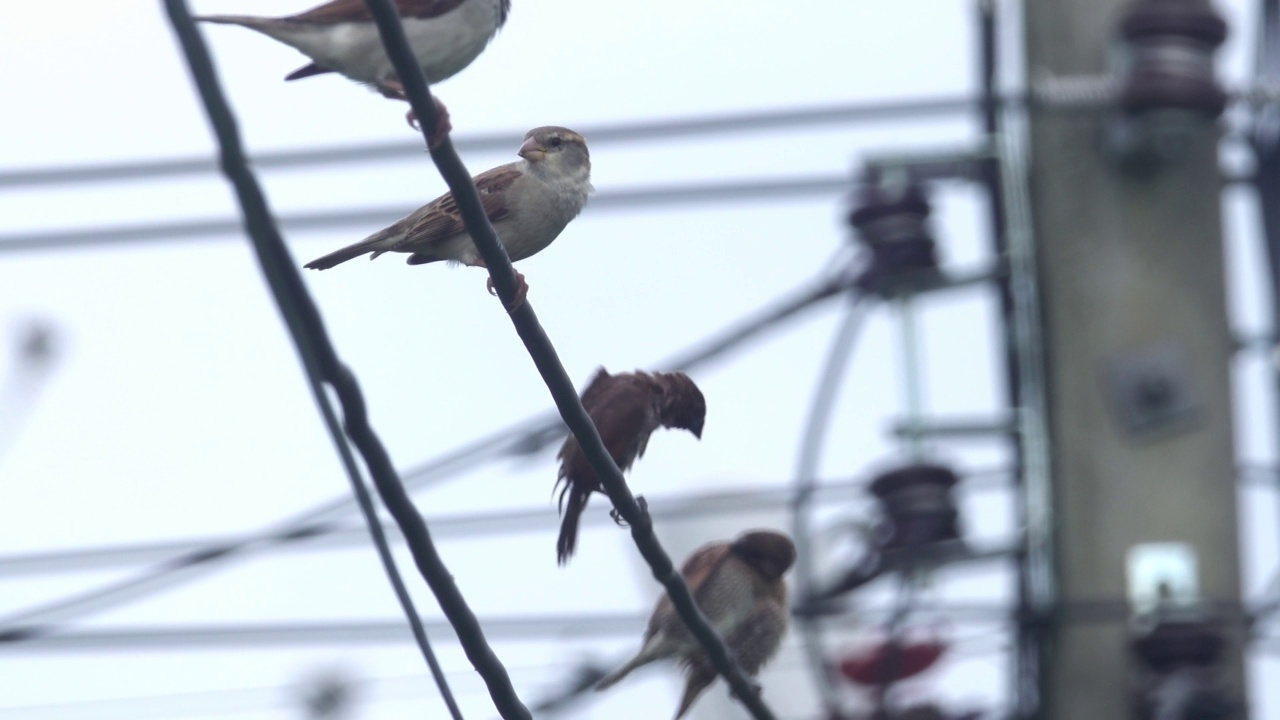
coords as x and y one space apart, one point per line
557 152
770 553
683 405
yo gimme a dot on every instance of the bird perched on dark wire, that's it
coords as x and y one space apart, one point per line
626 408
739 587
341 37
529 202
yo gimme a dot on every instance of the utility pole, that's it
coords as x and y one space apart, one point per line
1138 352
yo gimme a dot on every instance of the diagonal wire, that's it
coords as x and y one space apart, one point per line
553 373
525 438
322 363
191 560
811 443
383 547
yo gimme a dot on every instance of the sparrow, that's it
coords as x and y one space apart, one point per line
341 36
626 408
529 202
739 587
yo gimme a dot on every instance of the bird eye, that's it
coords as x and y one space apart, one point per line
555 141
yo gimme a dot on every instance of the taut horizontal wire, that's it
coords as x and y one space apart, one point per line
664 129
482 524
371 218
569 626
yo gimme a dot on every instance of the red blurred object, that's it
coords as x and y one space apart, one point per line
890 661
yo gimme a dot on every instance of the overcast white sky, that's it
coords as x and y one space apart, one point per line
177 408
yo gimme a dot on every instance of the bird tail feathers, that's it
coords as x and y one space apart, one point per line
652 650
249 21
371 244
568 540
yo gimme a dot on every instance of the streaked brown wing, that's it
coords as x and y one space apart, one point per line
340 11
443 220
695 570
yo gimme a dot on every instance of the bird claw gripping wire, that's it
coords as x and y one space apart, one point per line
617 517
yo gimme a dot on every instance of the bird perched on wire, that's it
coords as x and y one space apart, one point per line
739 587
529 202
341 36
626 408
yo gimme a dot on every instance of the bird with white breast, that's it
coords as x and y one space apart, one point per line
738 585
529 202
341 36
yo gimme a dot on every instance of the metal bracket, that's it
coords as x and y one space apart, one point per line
1152 390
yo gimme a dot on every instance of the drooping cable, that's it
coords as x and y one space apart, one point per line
812 439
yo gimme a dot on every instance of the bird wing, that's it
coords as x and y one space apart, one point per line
339 11
622 418
696 571
440 219
595 388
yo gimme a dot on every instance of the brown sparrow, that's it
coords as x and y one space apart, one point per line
739 587
626 408
341 36
529 202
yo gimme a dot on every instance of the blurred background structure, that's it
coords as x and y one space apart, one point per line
981 294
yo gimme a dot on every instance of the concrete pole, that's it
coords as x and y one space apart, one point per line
1132 281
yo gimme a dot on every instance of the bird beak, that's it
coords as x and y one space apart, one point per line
532 150
697 431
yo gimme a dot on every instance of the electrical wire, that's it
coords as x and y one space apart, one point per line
239 699
379 537
647 130
757 190
544 357
812 440
19 626
487 524
662 129
567 627
322 365
525 438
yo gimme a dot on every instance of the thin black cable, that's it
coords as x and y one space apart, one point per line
523 438
543 354
19 626
567 627
227 700
758 190
319 356
379 537
811 443
486 524
658 129
661 129
530 436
